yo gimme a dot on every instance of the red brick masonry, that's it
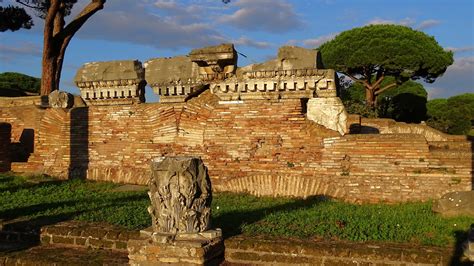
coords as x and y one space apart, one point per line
261 147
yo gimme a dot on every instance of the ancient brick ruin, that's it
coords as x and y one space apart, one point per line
275 128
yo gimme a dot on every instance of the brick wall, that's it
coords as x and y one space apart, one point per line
86 234
259 147
20 101
241 250
5 135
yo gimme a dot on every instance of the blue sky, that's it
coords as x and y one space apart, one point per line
145 29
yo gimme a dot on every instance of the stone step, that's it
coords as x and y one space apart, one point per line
57 255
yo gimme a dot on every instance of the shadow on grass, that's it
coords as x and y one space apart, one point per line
4 178
30 185
20 224
458 255
231 222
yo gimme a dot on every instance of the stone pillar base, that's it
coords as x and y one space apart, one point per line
205 248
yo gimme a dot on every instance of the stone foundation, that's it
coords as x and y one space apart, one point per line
206 248
277 251
87 235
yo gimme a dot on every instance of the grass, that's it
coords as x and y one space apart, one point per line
316 217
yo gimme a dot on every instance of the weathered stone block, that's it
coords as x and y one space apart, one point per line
455 203
63 240
112 82
215 60
60 99
45 239
293 57
329 112
142 252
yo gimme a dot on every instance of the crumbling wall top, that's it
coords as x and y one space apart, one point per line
161 71
223 51
110 70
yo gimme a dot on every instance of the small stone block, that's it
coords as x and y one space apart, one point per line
190 236
197 243
162 237
63 240
45 239
147 232
121 245
81 241
211 234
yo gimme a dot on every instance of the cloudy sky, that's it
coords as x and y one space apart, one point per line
144 29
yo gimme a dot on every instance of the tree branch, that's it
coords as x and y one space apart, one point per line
28 5
49 27
379 80
80 19
385 88
59 20
355 79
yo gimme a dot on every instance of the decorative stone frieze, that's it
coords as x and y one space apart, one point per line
215 62
179 78
112 82
277 84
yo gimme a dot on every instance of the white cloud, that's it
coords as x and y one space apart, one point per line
275 16
460 49
316 42
137 24
248 42
409 22
405 22
7 52
313 42
163 24
425 24
458 79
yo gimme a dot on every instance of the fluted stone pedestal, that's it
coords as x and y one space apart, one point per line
180 194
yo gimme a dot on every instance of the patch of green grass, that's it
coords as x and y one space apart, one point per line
408 222
315 217
55 200
471 133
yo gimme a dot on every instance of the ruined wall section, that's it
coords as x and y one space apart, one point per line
124 139
393 167
52 154
261 138
21 118
261 147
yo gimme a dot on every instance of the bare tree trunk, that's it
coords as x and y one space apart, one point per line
48 77
56 39
370 97
48 63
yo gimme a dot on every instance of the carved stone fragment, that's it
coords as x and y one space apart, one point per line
60 99
329 112
112 82
180 194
